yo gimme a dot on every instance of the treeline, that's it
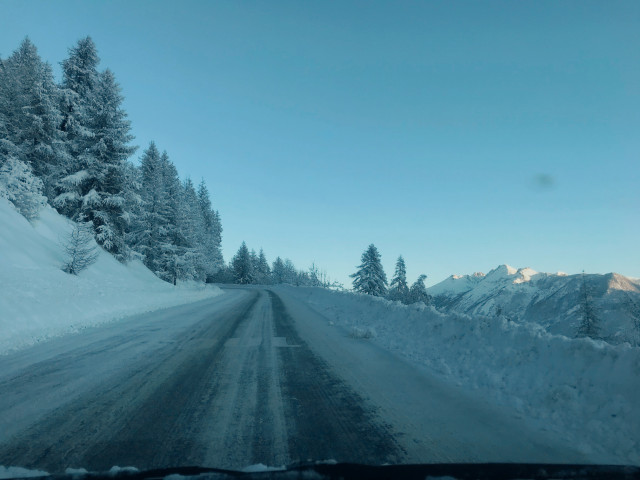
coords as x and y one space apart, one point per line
371 279
248 267
68 144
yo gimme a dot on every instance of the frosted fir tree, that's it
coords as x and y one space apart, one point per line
29 105
176 249
77 102
133 206
7 147
315 276
278 273
418 292
110 151
213 232
263 272
370 277
21 187
80 248
97 134
290 273
587 312
242 265
398 288
151 238
253 255
192 223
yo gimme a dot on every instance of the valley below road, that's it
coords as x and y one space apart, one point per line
251 376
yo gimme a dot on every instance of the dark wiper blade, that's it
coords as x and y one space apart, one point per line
348 471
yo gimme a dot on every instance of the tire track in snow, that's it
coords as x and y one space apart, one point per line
326 419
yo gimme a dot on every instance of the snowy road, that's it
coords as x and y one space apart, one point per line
249 377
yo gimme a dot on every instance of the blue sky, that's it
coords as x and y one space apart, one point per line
461 135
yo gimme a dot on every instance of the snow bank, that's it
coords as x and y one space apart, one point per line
39 301
585 390
18 472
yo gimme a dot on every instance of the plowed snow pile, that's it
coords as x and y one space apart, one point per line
586 390
38 300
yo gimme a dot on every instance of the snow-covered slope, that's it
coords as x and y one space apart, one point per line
584 390
548 299
38 300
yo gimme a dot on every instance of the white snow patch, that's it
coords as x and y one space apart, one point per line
525 275
19 472
115 470
39 301
259 467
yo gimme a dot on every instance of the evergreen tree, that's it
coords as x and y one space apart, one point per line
254 264
192 263
418 292
370 277
7 148
80 248
77 101
175 259
29 117
133 205
97 135
21 187
242 266
110 150
263 272
290 273
213 233
398 289
152 236
315 275
278 273
587 312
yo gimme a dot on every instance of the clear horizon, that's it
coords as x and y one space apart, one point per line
459 135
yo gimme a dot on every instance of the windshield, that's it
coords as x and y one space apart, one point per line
238 233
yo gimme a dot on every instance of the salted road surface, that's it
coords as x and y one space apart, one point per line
248 377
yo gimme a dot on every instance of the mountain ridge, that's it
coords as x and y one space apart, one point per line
551 300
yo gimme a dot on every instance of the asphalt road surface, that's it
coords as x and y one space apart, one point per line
244 378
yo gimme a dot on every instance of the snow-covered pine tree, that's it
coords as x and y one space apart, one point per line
110 150
418 292
398 288
77 96
370 277
80 248
213 233
21 187
18 184
192 263
151 237
133 206
278 274
6 146
315 276
175 245
29 106
263 272
254 264
98 134
290 273
242 266
587 312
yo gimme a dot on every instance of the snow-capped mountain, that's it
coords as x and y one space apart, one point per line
549 299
